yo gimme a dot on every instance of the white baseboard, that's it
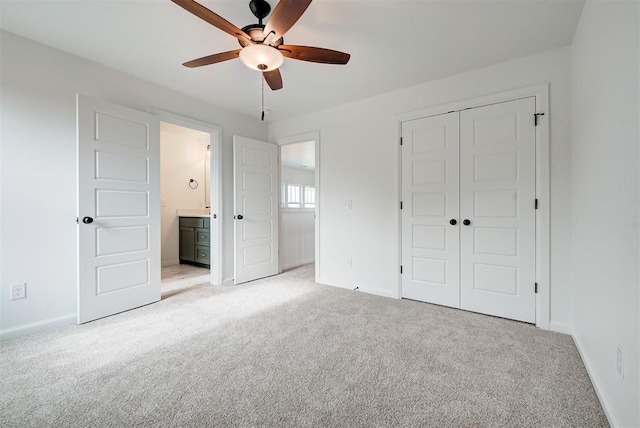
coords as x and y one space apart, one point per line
560 328
34 327
597 385
227 281
379 292
374 291
170 263
297 264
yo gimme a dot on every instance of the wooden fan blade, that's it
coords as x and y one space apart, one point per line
312 54
286 13
213 59
273 78
212 18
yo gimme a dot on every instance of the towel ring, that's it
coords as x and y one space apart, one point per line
192 185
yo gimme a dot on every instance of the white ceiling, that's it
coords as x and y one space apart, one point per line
393 44
299 155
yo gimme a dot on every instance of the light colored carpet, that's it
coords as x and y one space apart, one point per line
285 351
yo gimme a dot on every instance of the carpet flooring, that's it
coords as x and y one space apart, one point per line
287 352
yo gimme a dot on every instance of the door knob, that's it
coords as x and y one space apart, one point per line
87 220
466 222
240 217
453 222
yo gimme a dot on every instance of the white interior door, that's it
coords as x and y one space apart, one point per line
118 208
255 184
468 221
497 182
430 243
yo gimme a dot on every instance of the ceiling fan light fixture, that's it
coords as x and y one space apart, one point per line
261 57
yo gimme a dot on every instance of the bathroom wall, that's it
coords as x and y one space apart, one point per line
183 156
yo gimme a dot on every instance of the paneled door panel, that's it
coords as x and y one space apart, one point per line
497 196
118 209
430 244
256 208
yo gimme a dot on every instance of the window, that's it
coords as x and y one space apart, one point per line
309 197
298 196
293 196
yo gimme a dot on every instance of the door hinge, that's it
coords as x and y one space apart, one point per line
400 269
536 203
400 204
535 288
535 118
400 140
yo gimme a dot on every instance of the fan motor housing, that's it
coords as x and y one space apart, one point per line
255 32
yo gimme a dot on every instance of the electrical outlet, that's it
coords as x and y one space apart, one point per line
620 361
349 261
18 291
348 204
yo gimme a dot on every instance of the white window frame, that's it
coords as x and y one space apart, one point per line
284 198
304 196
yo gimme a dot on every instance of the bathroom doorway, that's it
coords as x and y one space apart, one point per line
190 196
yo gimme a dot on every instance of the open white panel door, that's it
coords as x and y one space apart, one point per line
118 208
255 187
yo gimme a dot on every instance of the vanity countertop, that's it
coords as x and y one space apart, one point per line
198 212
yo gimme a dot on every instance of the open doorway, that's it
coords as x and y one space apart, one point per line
299 201
185 184
190 198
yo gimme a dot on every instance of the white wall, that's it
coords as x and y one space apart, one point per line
359 161
297 226
38 181
183 155
605 92
298 176
297 238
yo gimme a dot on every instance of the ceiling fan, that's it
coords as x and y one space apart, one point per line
263 47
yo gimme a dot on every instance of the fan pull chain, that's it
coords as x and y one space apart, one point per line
262 79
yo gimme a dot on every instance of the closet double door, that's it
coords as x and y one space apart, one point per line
468 217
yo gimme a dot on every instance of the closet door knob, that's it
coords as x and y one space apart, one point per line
87 220
466 222
453 222
240 217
